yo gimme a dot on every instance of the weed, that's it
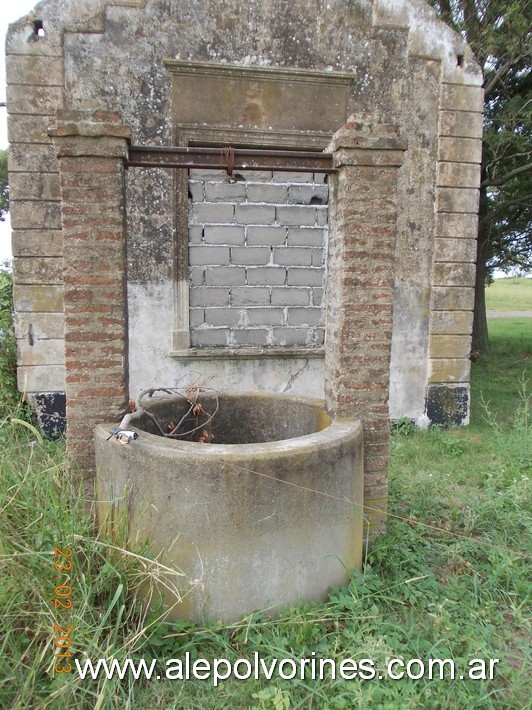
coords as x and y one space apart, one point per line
403 426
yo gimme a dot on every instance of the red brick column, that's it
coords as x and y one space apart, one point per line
91 147
360 281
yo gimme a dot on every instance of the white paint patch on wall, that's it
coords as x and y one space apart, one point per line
408 367
151 365
150 335
428 37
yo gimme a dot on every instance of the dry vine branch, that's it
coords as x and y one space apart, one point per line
194 412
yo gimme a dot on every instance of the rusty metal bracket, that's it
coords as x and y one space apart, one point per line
229 159
229 155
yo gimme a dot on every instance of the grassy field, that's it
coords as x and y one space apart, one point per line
450 580
509 295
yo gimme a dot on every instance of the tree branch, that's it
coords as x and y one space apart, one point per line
507 157
508 176
446 12
471 18
525 200
498 77
505 68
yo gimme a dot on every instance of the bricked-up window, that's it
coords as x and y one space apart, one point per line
257 255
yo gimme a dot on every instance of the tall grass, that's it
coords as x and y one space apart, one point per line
449 580
42 507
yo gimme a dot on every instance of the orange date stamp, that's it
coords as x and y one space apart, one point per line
63 600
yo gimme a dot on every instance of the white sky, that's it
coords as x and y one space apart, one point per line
11 10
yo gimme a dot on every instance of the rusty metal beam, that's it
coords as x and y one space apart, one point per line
217 158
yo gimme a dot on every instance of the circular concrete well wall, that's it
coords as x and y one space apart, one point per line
266 514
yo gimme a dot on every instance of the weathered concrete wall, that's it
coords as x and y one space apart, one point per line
407 69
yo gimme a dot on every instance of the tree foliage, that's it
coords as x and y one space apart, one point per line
4 188
8 352
500 35
9 397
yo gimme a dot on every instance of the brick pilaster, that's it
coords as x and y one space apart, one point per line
362 224
91 147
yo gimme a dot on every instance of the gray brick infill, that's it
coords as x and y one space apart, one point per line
257 251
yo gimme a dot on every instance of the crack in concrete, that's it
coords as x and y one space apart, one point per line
294 377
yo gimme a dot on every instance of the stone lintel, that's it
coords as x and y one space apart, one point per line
363 135
371 156
88 116
78 146
91 130
89 124
363 141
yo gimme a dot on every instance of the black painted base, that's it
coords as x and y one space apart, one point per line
50 409
447 404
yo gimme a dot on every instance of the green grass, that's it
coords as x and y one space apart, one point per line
510 294
495 379
449 580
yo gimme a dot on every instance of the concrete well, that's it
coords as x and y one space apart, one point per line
268 514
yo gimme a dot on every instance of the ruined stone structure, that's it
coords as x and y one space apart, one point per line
354 280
